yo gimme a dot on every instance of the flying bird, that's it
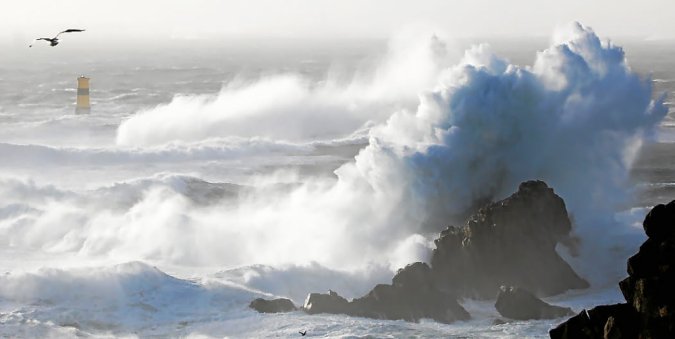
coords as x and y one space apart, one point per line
55 40
303 333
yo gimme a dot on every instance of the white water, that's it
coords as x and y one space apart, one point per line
165 215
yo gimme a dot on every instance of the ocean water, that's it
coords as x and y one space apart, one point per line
205 177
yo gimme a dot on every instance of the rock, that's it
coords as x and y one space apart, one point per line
410 297
508 242
499 322
577 327
658 223
613 329
414 276
613 320
326 303
511 241
272 306
392 302
517 303
649 289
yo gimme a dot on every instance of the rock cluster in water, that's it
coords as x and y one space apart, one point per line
649 290
410 297
509 242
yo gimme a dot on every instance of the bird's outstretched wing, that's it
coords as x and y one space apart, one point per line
70 30
46 39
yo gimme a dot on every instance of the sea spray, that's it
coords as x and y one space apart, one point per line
571 119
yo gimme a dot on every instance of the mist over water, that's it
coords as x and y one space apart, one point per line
290 106
288 181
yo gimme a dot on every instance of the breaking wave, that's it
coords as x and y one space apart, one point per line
574 119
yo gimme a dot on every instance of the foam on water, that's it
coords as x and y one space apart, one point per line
244 202
137 300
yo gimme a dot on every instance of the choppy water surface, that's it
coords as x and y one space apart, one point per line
113 225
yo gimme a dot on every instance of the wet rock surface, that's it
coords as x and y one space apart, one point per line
519 304
410 297
272 306
649 290
508 242
330 302
617 321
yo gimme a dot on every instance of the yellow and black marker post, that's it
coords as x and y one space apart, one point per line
82 96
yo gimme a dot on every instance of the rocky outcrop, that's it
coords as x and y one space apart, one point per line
508 242
326 303
272 306
607 321
410 297
519 304
649 290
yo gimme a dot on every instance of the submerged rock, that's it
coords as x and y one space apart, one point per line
272 306
508 242
649 290
410 297
517 303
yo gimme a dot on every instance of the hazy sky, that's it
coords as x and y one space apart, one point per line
164 19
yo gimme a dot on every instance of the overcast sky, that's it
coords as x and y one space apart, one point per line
165 19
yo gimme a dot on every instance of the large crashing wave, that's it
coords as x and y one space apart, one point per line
573 119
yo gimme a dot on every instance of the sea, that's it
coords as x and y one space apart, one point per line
207 175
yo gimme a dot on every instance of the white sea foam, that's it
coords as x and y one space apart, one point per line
574 118
124 299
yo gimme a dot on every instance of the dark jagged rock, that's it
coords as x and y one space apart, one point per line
509 242
618 319
517 303
326 303
272 306
414 276
649 289
410 297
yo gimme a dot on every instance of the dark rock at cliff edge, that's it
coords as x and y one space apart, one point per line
649 290
508 242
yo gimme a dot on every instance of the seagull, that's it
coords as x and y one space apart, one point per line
55 40
303 333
